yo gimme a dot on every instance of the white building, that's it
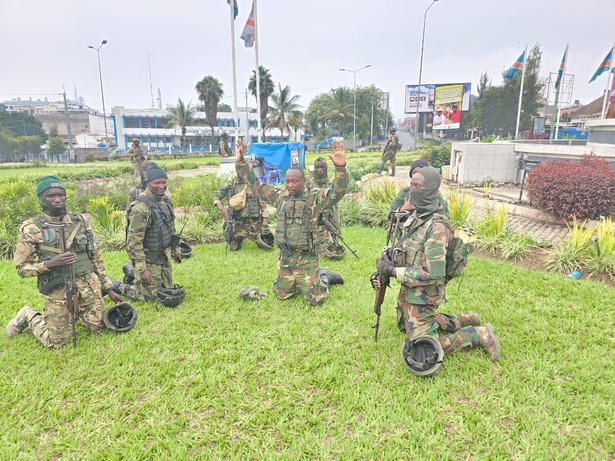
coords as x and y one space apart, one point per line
152 128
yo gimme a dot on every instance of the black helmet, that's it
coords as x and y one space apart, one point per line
185 249
334 251
265 241
121 317
422 355
171 297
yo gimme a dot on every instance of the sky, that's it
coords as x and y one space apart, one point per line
303 43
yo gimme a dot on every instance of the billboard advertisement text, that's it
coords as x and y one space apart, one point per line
443 102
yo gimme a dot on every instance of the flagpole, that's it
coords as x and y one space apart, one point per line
521 93
607 91
235 120
559 112
258 76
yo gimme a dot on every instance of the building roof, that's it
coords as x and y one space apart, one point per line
594 107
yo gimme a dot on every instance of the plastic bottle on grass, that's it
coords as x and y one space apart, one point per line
575 275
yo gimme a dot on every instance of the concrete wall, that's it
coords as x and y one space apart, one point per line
477 163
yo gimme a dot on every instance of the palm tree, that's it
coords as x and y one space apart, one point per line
210 92
340 110
284 110
266 90
181 115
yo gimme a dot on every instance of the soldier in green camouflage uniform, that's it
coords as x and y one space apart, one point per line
137 155
149 235
320 180
390 152
134 191
225 150
38 254
297 215
251 220
418 263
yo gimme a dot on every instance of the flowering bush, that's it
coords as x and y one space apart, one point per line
585 189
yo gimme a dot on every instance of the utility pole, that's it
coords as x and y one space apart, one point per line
149 66
70 136
371 134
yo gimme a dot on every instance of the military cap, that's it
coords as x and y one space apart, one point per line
48 182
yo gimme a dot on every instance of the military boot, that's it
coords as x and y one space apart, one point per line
380 168
488 341
129 274
392 171
330 277
115 287
20 322
469 318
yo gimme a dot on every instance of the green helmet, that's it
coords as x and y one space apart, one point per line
185 249
422 355
136 140
171 297
265 241
334 251
121 317
251 293
393 130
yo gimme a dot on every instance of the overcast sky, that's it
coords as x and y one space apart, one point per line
303 43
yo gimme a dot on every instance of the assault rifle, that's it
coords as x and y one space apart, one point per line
68 273
229 232
384 283
335 234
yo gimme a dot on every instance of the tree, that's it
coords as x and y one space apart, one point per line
284 109
56 147
210 92
19 124
266 89
224 108
53 131
340 110
181 115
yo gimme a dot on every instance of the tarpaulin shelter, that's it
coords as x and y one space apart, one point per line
279 157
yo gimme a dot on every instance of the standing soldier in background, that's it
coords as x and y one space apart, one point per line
137 155
151 241
250 215
390 152
326 241
39 254
134 191
225 150
298 211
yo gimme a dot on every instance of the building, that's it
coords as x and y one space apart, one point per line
152 128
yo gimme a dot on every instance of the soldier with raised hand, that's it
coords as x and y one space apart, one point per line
137 155
298 209
390 152
418 263
39 254
150 239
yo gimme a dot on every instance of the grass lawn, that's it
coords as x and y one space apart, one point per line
220 378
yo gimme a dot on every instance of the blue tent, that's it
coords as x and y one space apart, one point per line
279 157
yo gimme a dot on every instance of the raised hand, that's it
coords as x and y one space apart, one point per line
240 149
339 155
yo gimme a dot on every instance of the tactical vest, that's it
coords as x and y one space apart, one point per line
162 227
252 208
295 224
78 241
409 252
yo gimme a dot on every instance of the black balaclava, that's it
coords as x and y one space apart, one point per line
427 200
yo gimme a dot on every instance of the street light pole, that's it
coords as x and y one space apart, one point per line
102 93
418 95
354 110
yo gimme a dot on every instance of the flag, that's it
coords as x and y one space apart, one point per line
248 34
560 72
236 8
604 67
516 67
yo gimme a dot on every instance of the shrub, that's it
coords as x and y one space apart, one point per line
601 258
584 189
570 255
351 211
378 200
439 156
460 205
109 227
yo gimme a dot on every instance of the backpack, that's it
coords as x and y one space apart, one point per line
459 248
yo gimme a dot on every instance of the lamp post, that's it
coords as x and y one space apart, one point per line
354 110
102 93
418 96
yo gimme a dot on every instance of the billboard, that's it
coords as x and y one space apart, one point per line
443 102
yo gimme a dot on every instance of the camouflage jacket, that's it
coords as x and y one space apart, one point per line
254 208
30 238
392 143
136 153
224 148
420 258
316 200
139 219
330 214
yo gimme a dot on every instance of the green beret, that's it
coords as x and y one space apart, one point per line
48 182
153 171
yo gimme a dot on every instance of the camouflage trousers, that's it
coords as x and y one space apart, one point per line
54 327
425 320
389 156
162 277
246 228
300 273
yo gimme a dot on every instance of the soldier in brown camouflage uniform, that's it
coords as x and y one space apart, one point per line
251 220
151 226
38 254
137 155
225 150
390 152
418 263
298 211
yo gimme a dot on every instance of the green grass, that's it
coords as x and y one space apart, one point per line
219 378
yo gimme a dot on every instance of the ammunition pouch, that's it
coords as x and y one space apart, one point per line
46 288
285 249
